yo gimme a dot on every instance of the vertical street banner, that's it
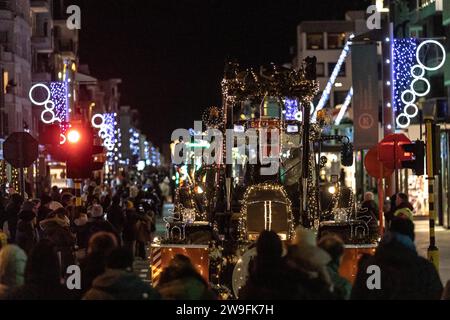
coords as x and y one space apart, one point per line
365 95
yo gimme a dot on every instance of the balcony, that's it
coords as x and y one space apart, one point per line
40 6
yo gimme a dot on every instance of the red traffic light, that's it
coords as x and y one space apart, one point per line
73 136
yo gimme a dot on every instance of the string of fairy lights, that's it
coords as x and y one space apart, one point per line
266 186
404 57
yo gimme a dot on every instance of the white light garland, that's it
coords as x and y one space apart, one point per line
47 109
344 107
104 133
326 92
411 110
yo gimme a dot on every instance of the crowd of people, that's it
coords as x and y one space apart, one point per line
43 238
310 269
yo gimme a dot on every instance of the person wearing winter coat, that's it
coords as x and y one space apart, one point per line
144 232
12 269
118 282
26 235
264 281
403 208
56 228
80 228
334 246
12 215
130 230
404 275
42 276
115 214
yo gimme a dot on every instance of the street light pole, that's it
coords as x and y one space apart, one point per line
388 119
433 251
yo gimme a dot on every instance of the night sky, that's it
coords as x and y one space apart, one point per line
171 53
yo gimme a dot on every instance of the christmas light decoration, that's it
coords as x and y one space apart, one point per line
134 142
59 96
242 226
344 107
212 117
275 81
337 68
291 109
55 104
417 72
404 57
3 178
107 129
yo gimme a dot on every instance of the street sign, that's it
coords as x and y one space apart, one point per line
374 167
20 149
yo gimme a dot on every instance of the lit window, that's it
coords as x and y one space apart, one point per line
314 41
336 40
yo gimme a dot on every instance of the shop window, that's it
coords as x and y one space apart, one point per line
314 41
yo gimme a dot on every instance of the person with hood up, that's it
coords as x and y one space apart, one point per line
118 282
56 228
12 269
181 281
404 274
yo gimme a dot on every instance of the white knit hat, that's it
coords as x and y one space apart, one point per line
54 205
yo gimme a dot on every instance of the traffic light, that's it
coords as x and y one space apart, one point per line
415 150
347 154
78 149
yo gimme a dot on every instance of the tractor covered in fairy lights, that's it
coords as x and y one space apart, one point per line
220 209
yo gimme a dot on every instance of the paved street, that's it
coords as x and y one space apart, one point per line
443 243
142 267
